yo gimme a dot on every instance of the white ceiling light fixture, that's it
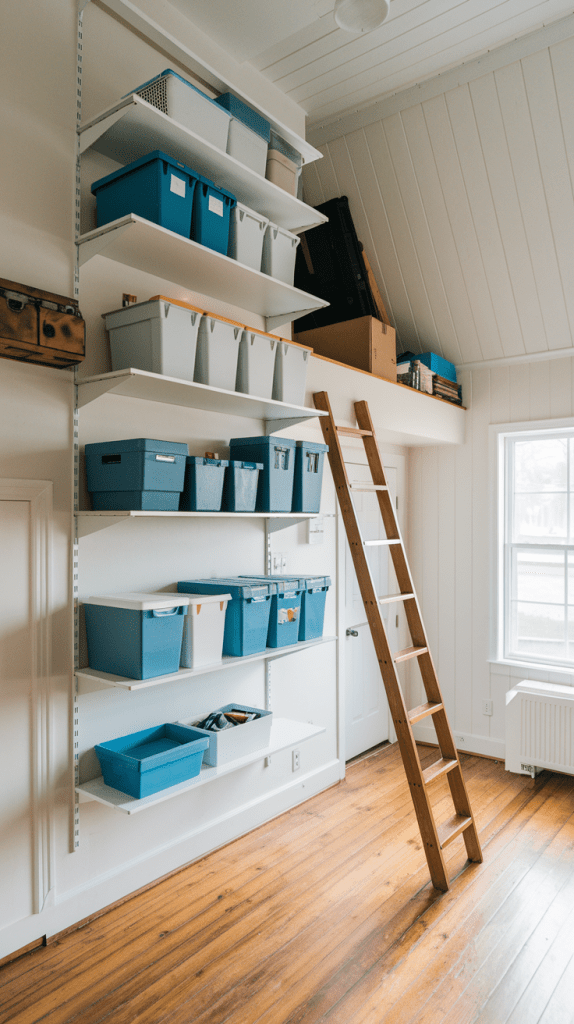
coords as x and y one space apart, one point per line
361 15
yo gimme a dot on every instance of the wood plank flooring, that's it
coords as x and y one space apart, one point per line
326 916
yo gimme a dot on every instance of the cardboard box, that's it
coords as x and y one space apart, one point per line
365 343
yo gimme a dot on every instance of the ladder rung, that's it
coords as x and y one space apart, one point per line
391 598
409 652
381 543
440 767
422 710
368 487
452 828
354 432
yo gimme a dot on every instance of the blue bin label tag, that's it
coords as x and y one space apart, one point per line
177 186
216 206
287 615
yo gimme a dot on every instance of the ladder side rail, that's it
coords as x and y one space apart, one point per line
407 745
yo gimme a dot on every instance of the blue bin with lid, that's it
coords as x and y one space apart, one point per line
438 365
156 187
285 615
277 454
203 485
138 473
135 635
212 208
252 118
240 487
313 596
150 760
309 459
247 615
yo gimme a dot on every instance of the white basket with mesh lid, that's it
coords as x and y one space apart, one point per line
190 107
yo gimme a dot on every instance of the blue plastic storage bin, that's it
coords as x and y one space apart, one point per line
203 486
247 615
252 118
313 596
212 208
277 454
139 473
309 459
285 612
240 487
135 635
148 761
438 365
156 187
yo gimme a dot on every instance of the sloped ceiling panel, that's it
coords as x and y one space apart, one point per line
465 205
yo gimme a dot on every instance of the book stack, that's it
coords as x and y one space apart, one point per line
447 389
425 376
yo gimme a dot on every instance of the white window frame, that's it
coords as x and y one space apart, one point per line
500 560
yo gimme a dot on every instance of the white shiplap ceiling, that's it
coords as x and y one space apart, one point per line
298 46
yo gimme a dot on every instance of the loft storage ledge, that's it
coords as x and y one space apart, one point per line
146 246
133 128
401 414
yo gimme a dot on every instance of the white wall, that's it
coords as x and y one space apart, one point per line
451 545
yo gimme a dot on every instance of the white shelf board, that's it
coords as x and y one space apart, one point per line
140 243
88 677
154 387
88 521
284 734
133 128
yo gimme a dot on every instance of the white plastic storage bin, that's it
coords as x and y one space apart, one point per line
187 105
159 336
217 351
279 252
247 146
290 377
256 365
203 628
246 234
229 744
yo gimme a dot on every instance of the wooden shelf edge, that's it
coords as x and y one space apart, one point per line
395 383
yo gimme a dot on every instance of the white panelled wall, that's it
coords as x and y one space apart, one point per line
464 202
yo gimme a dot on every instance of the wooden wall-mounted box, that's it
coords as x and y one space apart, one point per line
365 343
40 327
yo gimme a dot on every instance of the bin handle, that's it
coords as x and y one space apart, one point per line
162 612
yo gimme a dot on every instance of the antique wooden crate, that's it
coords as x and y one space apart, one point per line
40 327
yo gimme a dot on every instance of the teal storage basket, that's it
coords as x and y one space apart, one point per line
155 187
203 485
135 635
148 761
240 487
277 454
138 473
285 615
309 459
212 208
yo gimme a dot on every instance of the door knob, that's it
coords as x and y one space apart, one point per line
352 632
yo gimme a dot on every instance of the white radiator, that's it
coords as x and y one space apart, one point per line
540 728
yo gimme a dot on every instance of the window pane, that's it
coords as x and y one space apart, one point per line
540 465
540 518
538 630
539 576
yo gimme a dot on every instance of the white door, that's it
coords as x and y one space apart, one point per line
16 831
366 707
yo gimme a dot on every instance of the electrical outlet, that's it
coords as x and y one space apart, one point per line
487 707
295 760
279 562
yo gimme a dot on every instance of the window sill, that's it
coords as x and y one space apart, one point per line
532 666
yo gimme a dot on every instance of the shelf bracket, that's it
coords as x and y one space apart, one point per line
272 426
273 525
91 135
286 318
94 246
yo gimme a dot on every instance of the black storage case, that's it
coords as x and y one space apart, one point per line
338 270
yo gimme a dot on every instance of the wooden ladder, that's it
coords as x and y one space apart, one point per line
435 837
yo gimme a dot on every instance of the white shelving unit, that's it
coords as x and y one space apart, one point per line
133 128
88 678
125 132
284 734
146 246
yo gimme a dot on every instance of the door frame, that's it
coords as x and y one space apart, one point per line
349 448
39 495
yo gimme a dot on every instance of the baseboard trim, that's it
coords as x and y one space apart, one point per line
469 743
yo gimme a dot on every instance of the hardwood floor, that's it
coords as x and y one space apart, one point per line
326 914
